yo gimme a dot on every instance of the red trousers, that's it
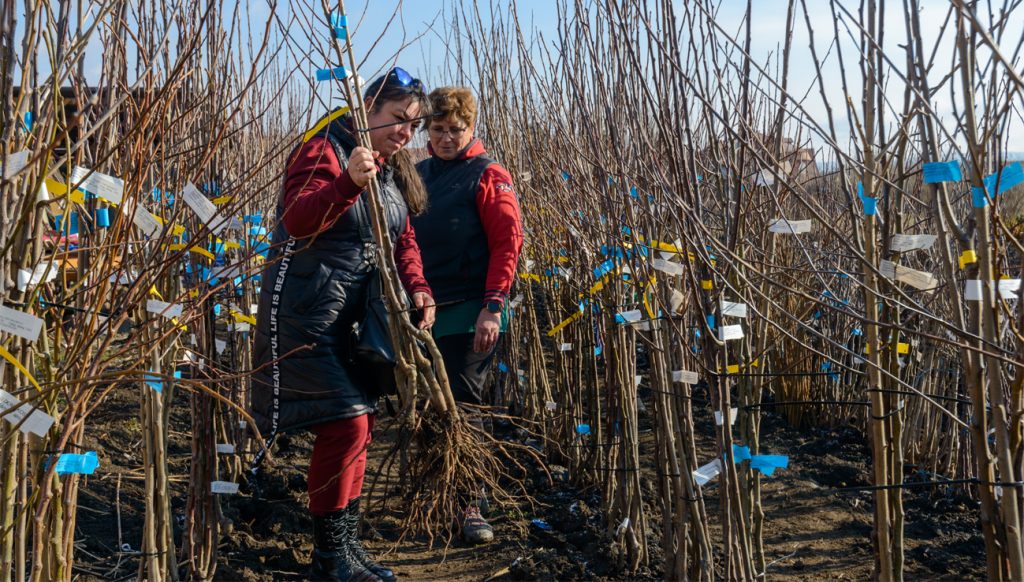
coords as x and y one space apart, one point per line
339 463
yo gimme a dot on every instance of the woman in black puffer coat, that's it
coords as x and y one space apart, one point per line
314 290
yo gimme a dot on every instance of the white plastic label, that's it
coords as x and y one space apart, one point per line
706 473
223 487
903 243
221 345
564 347
730 309
203 208
15 163
43 273
225 449
914 278
1007 289
143 219
783 226
685 376
163 308
732 416
730 332
551 405
19 323
107 187
676 301
36 422
228 271
667 267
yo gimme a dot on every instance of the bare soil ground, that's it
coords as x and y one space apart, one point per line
812 532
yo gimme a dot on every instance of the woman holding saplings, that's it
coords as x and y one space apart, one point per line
314 291
471 237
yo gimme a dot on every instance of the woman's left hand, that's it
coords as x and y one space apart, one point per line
425 303
487 327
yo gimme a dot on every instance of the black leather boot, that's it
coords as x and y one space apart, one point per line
332 554
356 547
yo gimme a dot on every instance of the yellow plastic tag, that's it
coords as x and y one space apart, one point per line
967 258
241 317
707 284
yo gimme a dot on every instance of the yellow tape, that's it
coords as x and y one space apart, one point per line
902 348
230 245
7 356
323 123
153 291
56 188
967 258
707 284
732 369
222 200
203 252
529 276
193 294
564 323
78 197
241 317
196 250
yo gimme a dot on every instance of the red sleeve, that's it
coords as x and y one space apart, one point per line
316 190
409 262
499 212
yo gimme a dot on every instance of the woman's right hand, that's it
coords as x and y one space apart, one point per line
362 166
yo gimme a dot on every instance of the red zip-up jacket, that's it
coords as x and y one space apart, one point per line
317 191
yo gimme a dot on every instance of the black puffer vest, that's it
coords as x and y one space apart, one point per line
450 234
313 291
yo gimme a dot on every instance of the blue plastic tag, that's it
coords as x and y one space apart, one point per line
68 463
328 74
935 172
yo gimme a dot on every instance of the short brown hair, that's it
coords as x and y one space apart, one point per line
454 103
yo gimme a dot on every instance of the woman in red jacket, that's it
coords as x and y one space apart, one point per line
314 291
470 237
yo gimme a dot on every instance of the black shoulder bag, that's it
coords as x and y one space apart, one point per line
372 351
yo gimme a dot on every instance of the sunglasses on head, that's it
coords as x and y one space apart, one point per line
402 78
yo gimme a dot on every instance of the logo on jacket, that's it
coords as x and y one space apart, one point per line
503 187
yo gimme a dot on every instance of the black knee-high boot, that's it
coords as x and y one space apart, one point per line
333 560
357 549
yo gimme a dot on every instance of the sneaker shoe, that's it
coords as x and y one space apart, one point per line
475 529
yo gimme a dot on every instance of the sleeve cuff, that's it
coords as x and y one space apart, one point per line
495 295
422 289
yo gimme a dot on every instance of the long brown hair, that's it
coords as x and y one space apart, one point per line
380 92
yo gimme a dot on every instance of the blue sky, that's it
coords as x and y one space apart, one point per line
418 40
